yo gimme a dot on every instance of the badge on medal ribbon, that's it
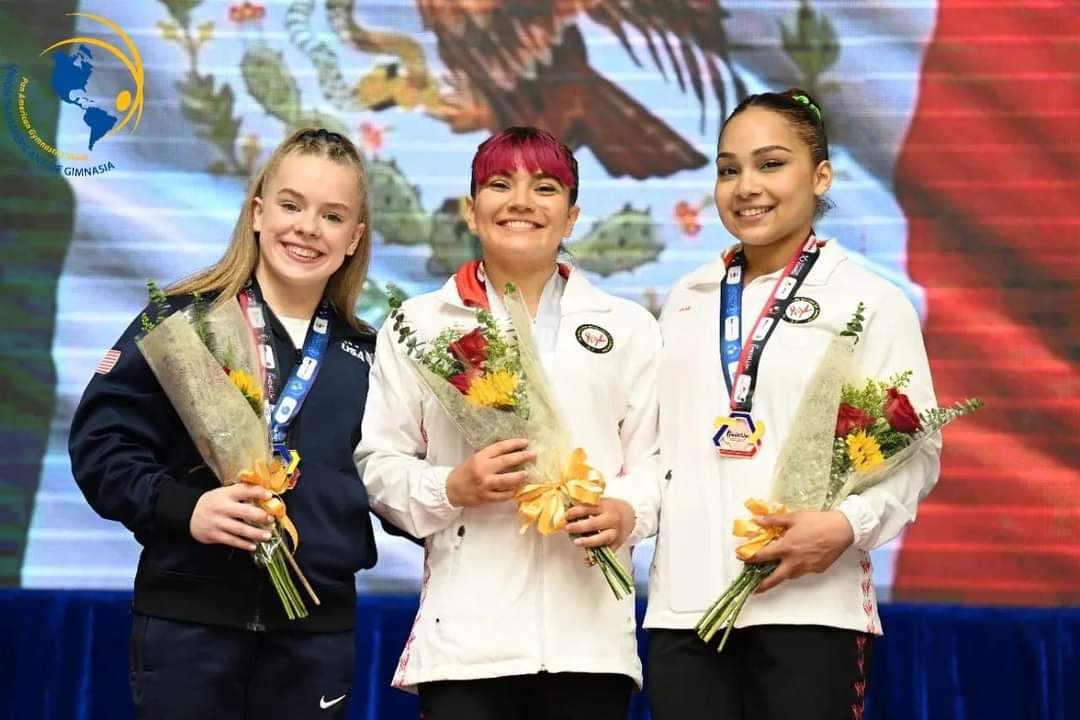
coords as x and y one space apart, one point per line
290 461
738 435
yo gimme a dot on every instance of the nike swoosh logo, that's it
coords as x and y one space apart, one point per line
324 703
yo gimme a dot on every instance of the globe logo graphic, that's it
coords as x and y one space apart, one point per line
73 71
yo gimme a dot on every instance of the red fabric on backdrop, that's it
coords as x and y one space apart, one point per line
988 179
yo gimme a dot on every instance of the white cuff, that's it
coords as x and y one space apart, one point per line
641 509
434 490
864 521
642 529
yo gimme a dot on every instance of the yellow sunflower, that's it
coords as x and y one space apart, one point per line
495 390
864 451
246 385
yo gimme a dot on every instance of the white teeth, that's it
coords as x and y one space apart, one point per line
753 212
519 225
303 252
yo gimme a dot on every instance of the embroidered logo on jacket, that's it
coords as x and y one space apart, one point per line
802 310
355 350
594 338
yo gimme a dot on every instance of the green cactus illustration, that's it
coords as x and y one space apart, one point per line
396 213
813 46
625 240
452 243
269 81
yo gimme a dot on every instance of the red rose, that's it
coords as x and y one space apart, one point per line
470 349
850 418
901 416
462 381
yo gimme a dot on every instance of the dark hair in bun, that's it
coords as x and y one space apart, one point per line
805 115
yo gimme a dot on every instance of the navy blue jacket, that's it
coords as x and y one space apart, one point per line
133 460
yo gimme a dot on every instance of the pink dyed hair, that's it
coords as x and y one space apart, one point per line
529 148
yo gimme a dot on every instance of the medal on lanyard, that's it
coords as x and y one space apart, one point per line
738 434
280 414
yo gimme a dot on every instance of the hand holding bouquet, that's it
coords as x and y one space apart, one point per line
848 436
208 365
491 383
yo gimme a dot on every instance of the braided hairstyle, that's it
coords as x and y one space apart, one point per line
229 274
804 114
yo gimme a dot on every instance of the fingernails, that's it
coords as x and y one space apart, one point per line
266 536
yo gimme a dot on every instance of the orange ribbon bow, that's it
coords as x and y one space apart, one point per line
759 536
274 478
546 503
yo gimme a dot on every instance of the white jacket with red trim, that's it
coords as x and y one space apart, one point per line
702 493
496 602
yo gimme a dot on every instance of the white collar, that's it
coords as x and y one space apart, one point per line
832 255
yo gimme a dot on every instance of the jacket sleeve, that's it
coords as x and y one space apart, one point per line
893 343
367 341
402 486
116 442
639 483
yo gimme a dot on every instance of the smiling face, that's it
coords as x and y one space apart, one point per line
521 218
309 220
767 184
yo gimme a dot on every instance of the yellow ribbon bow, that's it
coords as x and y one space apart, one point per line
546 503
274 478
759 536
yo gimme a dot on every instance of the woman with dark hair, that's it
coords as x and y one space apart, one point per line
514 625
742 336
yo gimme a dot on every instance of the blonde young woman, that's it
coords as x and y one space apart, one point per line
210 638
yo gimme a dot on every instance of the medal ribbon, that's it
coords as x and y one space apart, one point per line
280 475
741 376
296 389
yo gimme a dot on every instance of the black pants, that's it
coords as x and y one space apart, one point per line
545 696
188 671
769 672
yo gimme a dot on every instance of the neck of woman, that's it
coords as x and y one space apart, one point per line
530 281
765 259
287 300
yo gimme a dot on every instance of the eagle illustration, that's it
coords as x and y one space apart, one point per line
525 63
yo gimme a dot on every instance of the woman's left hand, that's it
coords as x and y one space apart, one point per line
607 523
812 541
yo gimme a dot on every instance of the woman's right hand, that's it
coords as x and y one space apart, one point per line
489 475
226 516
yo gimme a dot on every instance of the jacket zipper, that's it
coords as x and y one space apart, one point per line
256 624
540 601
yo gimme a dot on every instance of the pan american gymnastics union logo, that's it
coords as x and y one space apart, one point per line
72 82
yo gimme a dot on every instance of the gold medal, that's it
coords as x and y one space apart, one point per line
737 435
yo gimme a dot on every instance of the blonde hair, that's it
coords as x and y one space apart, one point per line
230 274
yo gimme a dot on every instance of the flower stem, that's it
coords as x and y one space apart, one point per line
271 555
735 612
725 611
618 579
711 621
718 607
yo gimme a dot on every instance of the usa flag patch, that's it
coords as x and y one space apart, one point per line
108 362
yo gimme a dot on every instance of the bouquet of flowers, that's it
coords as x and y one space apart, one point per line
491 383
207 362
848 436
